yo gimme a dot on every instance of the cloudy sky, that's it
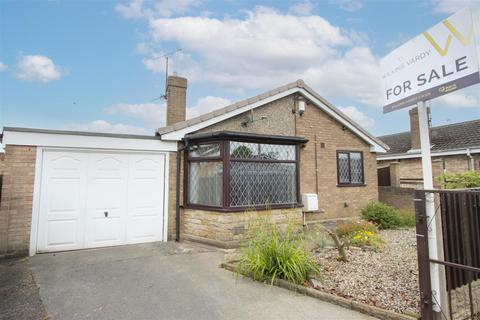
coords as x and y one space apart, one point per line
97 65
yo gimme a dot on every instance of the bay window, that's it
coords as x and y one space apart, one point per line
239 171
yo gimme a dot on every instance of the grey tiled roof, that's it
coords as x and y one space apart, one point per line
297 84
443 138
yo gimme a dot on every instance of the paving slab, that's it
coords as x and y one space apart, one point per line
164 281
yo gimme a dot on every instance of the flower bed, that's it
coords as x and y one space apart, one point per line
386 278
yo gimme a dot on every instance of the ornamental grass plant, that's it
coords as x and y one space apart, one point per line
270 253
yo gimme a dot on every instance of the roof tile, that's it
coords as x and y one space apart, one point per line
297 84
453 136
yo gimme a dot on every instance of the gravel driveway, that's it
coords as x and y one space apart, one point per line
164 281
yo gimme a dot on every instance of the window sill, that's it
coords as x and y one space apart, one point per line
243 209
351 185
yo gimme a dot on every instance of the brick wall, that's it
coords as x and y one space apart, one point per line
401 198
279 120
17 199
412 168
328 136
226 229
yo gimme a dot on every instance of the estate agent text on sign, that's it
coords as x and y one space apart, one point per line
440 60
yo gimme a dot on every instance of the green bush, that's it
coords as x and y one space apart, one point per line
272 254
384 216
408 219
468 179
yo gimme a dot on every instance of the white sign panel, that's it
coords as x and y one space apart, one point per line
440 60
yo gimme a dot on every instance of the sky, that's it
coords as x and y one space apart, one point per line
98 65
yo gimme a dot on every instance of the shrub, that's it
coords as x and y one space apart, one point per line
270 254
408 218
350 227
468 179
384 216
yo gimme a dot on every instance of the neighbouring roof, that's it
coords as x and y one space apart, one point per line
299 85
454 136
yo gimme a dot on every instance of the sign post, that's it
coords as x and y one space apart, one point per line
441 60
429 203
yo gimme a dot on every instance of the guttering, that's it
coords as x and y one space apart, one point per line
243 136
177 191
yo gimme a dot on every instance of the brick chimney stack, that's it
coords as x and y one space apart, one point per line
176 99
414 129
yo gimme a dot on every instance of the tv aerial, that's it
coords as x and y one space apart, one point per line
166 56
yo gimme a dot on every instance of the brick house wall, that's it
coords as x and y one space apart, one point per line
326 136
318 163
17 199
329 136
412 168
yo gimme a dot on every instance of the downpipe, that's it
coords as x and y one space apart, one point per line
471 165
177 192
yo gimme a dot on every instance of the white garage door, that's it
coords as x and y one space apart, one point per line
98 199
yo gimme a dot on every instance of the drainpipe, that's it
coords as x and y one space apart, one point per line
471 165
177 191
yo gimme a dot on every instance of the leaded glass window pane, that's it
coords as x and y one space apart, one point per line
205 183
244 150
350 167
356 167
204 150
261 183
262 151
343 168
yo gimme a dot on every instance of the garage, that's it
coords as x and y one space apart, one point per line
98 199
69 190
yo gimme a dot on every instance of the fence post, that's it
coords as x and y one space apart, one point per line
422 255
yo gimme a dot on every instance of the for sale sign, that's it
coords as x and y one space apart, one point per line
440 60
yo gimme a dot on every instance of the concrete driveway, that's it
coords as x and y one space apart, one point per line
163 281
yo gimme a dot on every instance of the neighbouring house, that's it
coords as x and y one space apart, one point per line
454 148
287 152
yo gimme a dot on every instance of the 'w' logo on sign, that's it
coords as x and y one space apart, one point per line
466 41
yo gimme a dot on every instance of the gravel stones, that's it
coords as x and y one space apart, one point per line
387 279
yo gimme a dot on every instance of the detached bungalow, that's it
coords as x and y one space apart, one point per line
287 152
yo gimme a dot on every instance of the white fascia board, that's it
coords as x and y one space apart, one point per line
374 146
81 141
434 154
179 134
